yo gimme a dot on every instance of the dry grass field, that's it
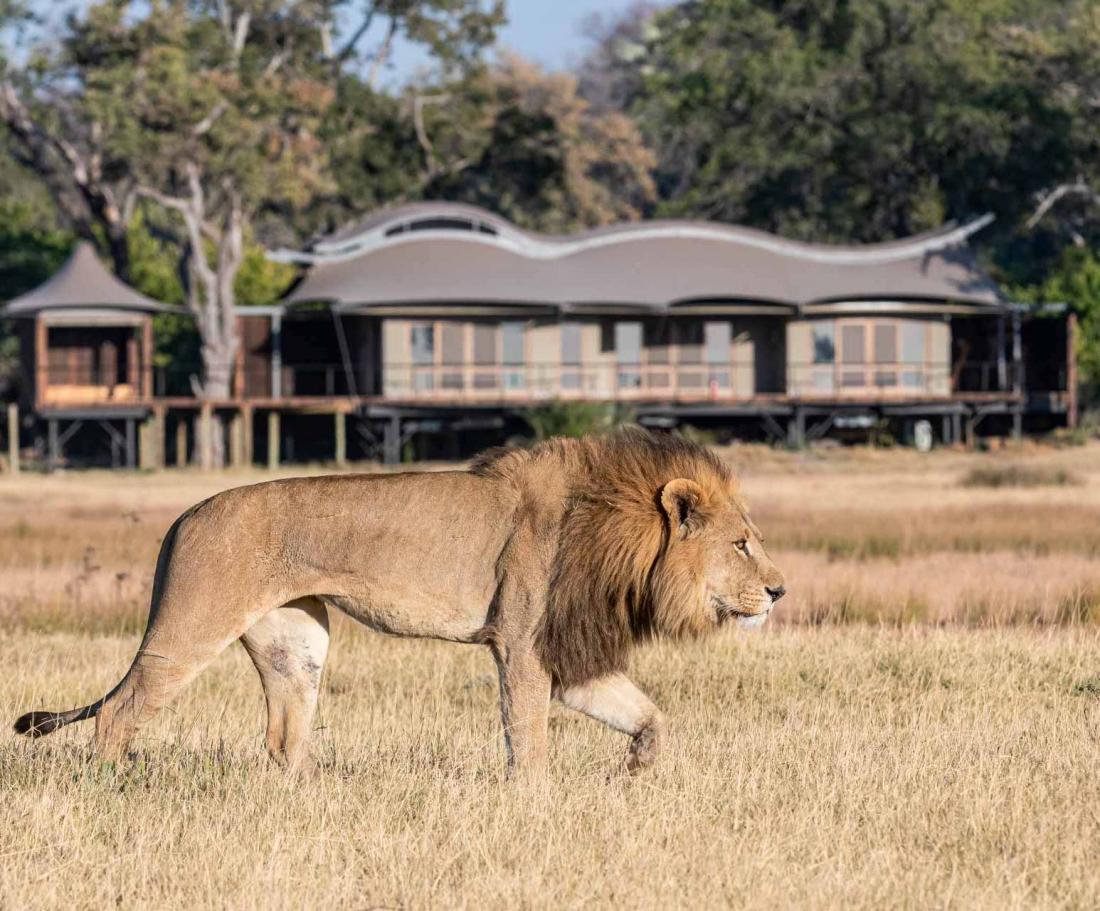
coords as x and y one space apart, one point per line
920 729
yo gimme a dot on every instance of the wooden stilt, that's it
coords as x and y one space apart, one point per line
181 444
236 440
391 441
206 436
272 440
247 443
341 430
54 457
131 442
13 438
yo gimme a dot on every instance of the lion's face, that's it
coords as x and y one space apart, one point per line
721 548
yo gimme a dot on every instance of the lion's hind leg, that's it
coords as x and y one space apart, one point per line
288 647
154 679
618 703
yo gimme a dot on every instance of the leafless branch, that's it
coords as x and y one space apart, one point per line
275 64
225 16
419 103
240 33
206 124
176 203
382 54
349 46
1051 198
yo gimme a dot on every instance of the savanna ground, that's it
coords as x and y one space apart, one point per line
920 729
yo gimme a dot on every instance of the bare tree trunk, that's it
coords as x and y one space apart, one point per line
211 295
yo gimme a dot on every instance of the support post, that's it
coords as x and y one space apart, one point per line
1017 355
147 367
956 427
1018 424
151 441
54 455
181 443
277 355
391 441
341 430
247 443
1071 371
131 443
13 438
206 436
1002 361
796 429
945 429
41 361
272 440
236 440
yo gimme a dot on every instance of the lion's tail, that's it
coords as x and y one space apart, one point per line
39 724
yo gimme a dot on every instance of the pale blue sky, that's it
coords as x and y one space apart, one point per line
546 31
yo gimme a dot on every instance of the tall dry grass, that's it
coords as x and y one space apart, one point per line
829 768
920 728
863 537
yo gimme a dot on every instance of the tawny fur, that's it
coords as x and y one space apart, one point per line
559 558
610 587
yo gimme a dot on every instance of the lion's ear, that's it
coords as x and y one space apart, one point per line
683 502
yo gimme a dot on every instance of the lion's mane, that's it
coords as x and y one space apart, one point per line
610 585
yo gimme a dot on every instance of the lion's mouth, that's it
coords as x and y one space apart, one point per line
727 611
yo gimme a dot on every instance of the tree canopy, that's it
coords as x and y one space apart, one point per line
182 136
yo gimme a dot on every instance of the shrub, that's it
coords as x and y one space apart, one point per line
1015 475
573 419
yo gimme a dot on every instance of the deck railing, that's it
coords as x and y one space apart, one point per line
616 382
295 380
550 380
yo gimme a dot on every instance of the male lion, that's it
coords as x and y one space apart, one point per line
558 558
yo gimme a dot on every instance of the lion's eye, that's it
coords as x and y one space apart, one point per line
742 545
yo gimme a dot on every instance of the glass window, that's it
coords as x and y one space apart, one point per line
886 343
570 343
912 342
485 344
628 342
423 344
511 343
718 337
453 343
824 342
852 344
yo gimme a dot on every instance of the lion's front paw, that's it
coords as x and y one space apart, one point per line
645 747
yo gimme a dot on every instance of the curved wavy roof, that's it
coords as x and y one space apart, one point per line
447 253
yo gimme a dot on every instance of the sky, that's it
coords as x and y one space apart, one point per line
550 32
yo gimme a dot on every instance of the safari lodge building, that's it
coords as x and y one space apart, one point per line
434 327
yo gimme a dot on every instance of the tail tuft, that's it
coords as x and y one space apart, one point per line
38 724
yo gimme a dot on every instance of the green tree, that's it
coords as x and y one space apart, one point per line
208 114
864 120
524 143
1076 281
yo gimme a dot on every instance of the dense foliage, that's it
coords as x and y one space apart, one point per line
841 120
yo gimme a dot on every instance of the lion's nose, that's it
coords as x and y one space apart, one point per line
776 593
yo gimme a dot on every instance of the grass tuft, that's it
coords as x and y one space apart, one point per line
1019 475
